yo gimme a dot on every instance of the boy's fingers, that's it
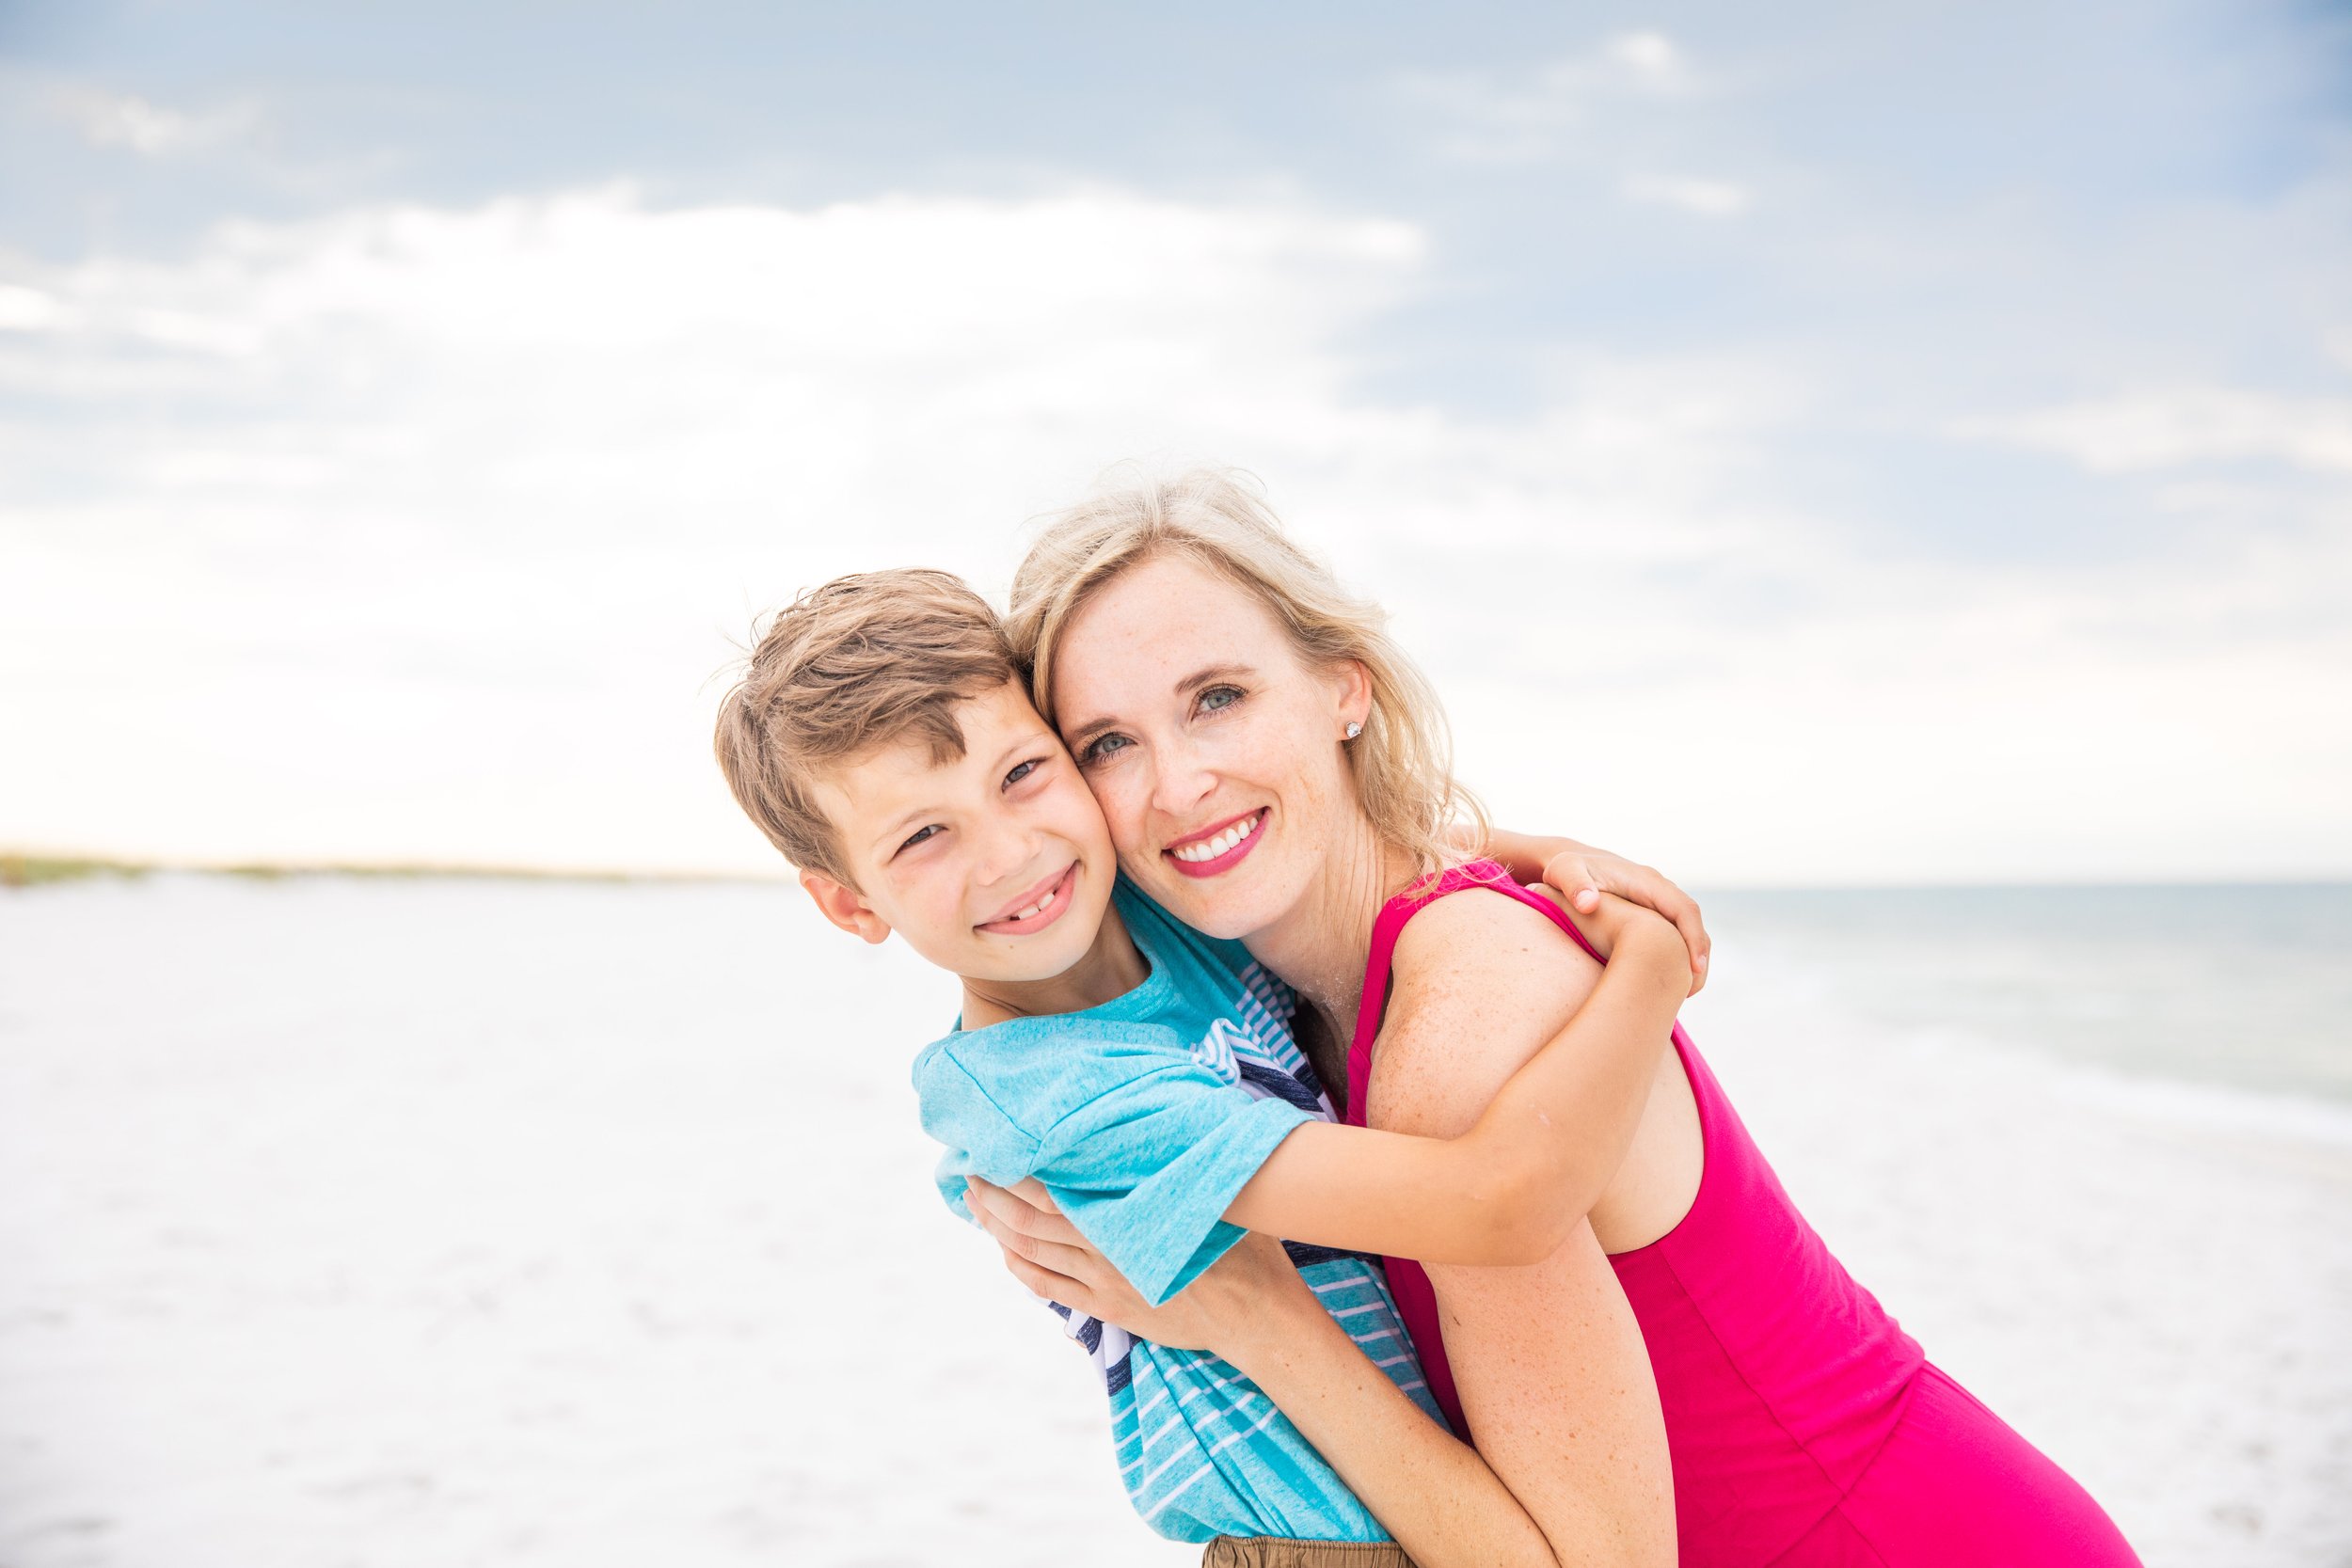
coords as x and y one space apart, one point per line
1643 885
1579 888
1680 908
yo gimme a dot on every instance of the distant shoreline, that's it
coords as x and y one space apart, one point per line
25 868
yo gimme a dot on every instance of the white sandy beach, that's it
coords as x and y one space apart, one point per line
361 1223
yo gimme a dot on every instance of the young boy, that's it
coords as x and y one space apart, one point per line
884 741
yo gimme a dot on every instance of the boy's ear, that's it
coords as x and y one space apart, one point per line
845 906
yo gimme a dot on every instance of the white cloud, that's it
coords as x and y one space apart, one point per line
1649 58
1532 115
2172 427
417 533
24 309
122 120
1714 198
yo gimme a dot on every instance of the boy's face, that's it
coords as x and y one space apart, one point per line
996 866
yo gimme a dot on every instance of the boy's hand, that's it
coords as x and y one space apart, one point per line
1583 873
1223 1310
1607 921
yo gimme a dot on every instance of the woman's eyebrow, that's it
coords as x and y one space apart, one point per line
1213 674
1078 735
1075 740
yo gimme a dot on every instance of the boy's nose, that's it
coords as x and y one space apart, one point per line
1005 855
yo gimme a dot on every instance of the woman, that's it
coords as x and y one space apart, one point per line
1210 677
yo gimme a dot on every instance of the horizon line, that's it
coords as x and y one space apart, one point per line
24 868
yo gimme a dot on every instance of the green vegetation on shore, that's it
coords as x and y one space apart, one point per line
23 870
28 868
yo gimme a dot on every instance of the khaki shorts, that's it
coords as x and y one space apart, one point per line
1267 1551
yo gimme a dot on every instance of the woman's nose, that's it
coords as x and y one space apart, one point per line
1182 780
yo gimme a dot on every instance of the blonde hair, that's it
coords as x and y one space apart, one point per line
866 661
1403 762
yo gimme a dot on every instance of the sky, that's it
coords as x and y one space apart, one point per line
1811 444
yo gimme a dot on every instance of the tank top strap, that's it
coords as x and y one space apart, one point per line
1390 925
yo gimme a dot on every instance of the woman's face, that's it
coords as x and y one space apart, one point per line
1214 752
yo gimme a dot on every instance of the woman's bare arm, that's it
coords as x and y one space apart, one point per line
1434 1492
1546 1357
1509 1188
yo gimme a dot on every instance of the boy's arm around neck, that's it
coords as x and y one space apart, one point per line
1517 1184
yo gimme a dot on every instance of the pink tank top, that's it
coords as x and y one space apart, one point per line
1779 1376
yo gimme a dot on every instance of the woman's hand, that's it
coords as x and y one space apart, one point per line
1234 1305
1582 874
1430 1489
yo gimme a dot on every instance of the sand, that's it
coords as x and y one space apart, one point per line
351 1223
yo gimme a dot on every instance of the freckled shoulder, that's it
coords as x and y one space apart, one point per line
1481 982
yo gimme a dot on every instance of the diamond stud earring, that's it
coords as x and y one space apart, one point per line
1354 729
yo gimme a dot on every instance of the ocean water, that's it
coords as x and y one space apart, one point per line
2247 986
388 1222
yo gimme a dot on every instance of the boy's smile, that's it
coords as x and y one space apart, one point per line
1038 907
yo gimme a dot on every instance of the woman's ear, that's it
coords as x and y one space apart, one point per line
845 906
1354 691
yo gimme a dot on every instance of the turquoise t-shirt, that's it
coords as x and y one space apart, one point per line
1143 1118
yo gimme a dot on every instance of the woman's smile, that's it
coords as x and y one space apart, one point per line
1218 849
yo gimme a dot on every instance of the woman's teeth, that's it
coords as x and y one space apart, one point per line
1209 849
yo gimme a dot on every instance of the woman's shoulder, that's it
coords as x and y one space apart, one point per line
1490 932
1482 980
1480 957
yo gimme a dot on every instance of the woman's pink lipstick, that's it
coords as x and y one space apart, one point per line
1232 857
1054 891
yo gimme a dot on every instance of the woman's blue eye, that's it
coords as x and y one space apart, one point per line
1103 746
919 835
1218 697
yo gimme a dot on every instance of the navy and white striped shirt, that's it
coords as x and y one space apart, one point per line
1144 1118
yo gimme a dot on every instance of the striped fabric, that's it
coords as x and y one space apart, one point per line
1201 1450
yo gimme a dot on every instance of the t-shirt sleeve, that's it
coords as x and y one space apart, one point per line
1146 1167
979 1135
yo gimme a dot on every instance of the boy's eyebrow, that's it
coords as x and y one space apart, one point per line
884 836
1023 743
1194 682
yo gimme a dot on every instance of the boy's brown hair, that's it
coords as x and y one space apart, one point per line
866 661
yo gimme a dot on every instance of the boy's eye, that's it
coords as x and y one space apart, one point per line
1218 697
919 836
1100 748
1022 770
